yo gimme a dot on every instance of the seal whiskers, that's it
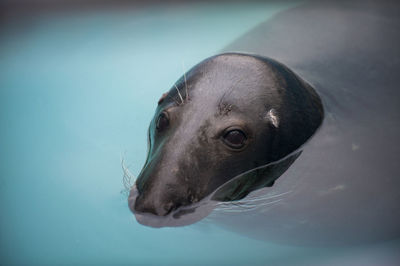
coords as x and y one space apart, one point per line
177 103
232 207
263 197
179 93
186 87
128 178
250 204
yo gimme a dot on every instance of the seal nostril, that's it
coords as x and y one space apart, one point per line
169 207
141 205
191 198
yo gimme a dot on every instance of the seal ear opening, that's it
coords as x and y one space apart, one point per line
264 176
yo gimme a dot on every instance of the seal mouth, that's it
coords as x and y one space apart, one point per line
181 216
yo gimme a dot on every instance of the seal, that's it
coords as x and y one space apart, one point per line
233 116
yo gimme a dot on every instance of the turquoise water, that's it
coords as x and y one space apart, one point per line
78 90
77 93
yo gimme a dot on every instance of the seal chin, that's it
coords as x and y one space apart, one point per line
181 216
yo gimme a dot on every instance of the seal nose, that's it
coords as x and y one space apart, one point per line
144 205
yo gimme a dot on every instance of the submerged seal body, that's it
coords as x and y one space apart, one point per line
344 188
228 115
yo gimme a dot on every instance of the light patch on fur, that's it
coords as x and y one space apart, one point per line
273 117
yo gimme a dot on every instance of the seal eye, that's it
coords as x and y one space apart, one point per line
162 122
235 138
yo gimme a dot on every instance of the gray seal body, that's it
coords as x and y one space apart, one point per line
344 188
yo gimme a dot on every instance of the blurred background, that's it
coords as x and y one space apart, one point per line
79 82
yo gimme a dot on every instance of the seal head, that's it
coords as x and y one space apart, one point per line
216 129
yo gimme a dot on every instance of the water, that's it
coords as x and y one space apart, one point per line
78 90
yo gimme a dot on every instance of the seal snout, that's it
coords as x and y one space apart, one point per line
154 206
157 200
